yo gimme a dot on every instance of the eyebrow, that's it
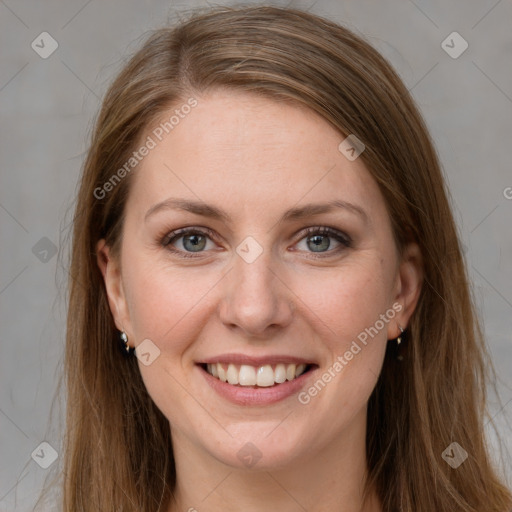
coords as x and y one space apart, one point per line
296 213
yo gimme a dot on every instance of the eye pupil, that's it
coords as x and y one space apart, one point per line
198 242
317 242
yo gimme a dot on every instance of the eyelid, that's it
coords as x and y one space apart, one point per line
188 231
340 236
326 231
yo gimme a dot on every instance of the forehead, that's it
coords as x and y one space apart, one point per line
243 151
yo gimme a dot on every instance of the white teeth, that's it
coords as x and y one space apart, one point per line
280 373
290 372
221 373
263 376
300 369
232 374
247 376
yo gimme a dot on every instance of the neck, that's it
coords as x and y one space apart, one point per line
328 480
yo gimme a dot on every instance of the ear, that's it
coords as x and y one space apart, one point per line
111 271
408 287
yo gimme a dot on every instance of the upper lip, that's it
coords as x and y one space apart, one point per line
255 360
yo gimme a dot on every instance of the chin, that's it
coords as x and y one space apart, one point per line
260 446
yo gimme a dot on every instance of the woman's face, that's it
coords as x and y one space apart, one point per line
270 278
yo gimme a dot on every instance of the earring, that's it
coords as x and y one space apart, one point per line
399 349
125 348
399 339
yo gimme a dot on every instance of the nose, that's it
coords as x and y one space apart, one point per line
256 299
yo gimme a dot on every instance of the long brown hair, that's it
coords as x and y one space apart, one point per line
118 453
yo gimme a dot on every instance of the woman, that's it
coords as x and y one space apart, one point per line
263 230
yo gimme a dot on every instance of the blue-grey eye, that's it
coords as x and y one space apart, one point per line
319 243
194 243
319 240
188 241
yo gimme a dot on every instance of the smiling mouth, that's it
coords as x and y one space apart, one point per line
256 376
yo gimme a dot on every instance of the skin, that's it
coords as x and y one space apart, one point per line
255 159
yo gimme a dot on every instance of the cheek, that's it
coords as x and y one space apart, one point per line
346 301
166 305
350 310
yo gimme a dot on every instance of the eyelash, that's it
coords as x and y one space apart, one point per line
344 239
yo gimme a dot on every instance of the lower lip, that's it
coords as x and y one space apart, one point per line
244 395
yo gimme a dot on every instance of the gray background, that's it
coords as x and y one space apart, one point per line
47 107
